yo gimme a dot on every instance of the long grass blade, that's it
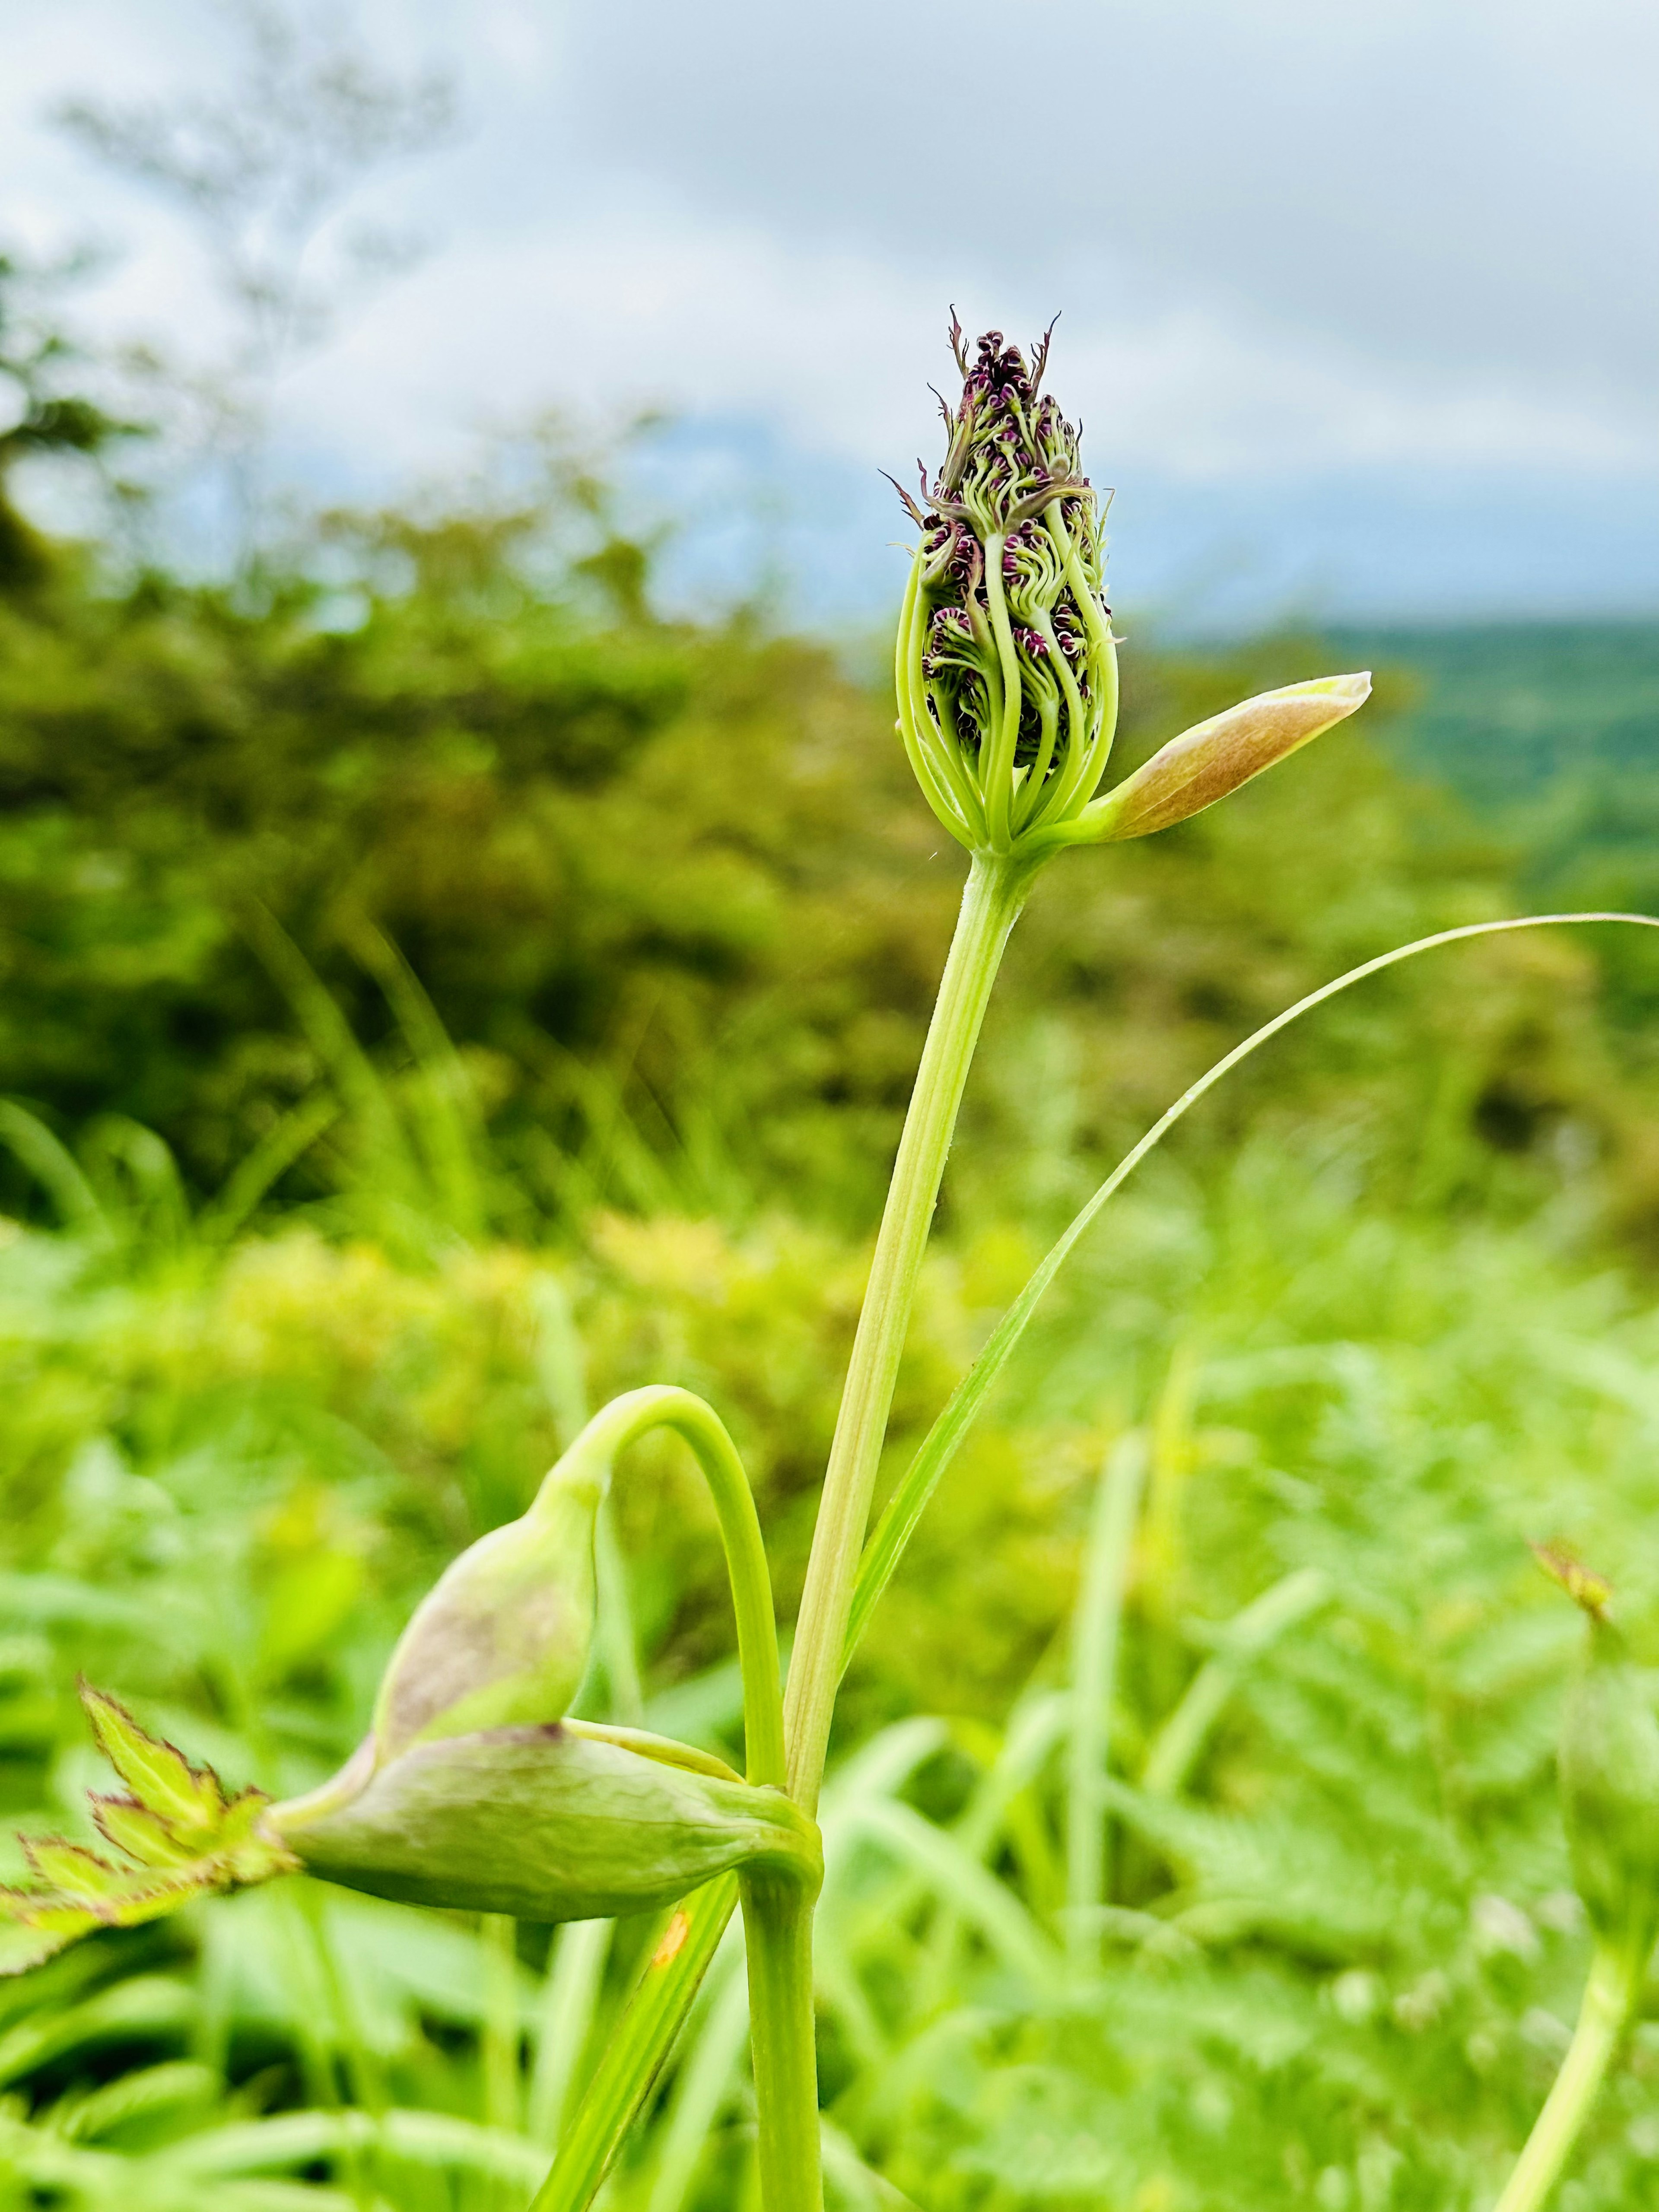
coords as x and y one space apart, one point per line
639 2049
52 1166
446 1122
961 1883
705 2085
265 1165
1181 1741
1096 1622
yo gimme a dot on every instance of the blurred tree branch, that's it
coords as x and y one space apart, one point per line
264 168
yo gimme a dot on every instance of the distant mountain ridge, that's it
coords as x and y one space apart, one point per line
1510 709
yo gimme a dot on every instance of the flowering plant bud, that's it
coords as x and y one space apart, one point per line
503 1638
1609 1769
566 1822
1214 758
473 1790
1007 666
1007 670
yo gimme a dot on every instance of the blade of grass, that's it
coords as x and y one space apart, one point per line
638 2049
706 2079
1181 1741
575 1973
52 1167
447 1124
1094 1673
960 1882
269 1159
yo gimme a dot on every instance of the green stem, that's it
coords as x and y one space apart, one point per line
660 1406
777 1920
1615 1981
991 900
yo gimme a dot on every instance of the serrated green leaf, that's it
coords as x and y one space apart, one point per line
186 1839
188 1798
137 1905
142 1834
70 1870
22 1947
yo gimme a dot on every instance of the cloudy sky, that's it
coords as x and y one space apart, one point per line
1360 302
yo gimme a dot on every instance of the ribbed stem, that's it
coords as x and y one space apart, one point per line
777 1921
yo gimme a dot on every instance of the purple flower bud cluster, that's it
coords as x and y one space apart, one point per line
1011 546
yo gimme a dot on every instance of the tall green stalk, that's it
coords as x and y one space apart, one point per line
779 1929
990 900
778 1923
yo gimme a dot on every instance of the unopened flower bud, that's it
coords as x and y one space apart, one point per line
567 1822
503 1638
474 1789
1609 1771
1214 758
1007 670
1006 664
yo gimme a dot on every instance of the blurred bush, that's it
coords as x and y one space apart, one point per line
669 893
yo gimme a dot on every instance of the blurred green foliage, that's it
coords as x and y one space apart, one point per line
667 890
436 998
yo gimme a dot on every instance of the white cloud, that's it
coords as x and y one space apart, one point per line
1290 240
833 347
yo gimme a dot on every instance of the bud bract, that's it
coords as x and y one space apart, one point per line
1214 758
566 1822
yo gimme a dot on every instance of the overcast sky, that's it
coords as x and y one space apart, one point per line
1360 301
